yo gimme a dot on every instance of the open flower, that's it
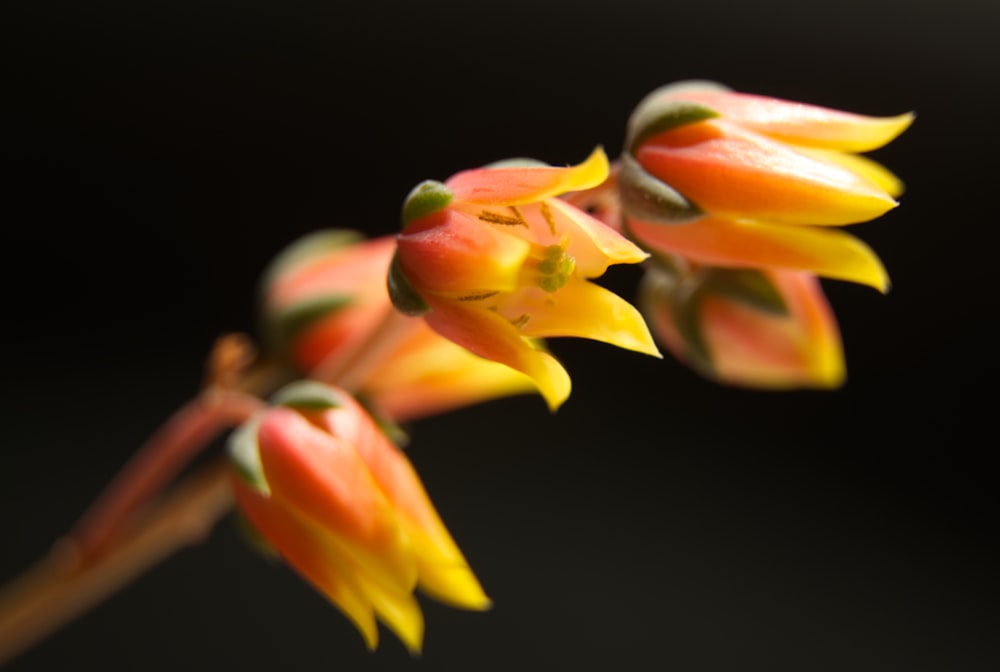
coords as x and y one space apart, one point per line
343 506
493 261
735 180
325 301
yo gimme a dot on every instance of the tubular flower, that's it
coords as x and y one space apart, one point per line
735 180
341 504
771 329
736 197
325 298
494 261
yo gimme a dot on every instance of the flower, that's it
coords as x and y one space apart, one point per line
736 180
737 198
325 300
493 261
769 329
341 504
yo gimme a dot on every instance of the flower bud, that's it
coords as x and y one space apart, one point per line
343 506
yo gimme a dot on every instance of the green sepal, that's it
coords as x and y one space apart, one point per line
281 328
746 286
426 198
307 395
646 198
244 454
404 297
659 116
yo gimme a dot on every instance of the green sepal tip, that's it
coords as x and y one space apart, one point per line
404 297
659 116
747 286
646 198
307 395
426 198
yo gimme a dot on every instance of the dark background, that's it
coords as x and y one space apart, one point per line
159 153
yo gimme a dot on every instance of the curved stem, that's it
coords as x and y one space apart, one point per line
158 461
58 588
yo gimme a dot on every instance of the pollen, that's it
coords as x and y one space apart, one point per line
556 267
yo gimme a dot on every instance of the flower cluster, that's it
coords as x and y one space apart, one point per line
731 203
738 198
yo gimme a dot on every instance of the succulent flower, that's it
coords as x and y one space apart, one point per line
321 484
493 261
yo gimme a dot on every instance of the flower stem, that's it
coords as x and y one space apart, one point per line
58 588
158 461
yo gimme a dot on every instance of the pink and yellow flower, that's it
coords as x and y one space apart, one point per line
494 261
772 330
746 181
341 504
737 197
325 299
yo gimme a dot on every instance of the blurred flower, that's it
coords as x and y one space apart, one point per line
770 329
325 300
341 504
493 261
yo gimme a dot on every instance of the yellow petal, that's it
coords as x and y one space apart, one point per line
584 310
518 186
302 545
429 374
398 610
755 349
487 334
324 480
593 244
748 244
734 173
861 166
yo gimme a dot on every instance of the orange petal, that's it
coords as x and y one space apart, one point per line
734 173
324 479
442 569
518 186
452 253
487 334
721 242
759 349
298 543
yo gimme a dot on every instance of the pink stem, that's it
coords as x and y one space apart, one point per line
157 461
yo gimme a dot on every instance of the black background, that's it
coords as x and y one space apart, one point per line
159 153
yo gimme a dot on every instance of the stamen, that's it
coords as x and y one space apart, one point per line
496 218
521 321
549 217
477 297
